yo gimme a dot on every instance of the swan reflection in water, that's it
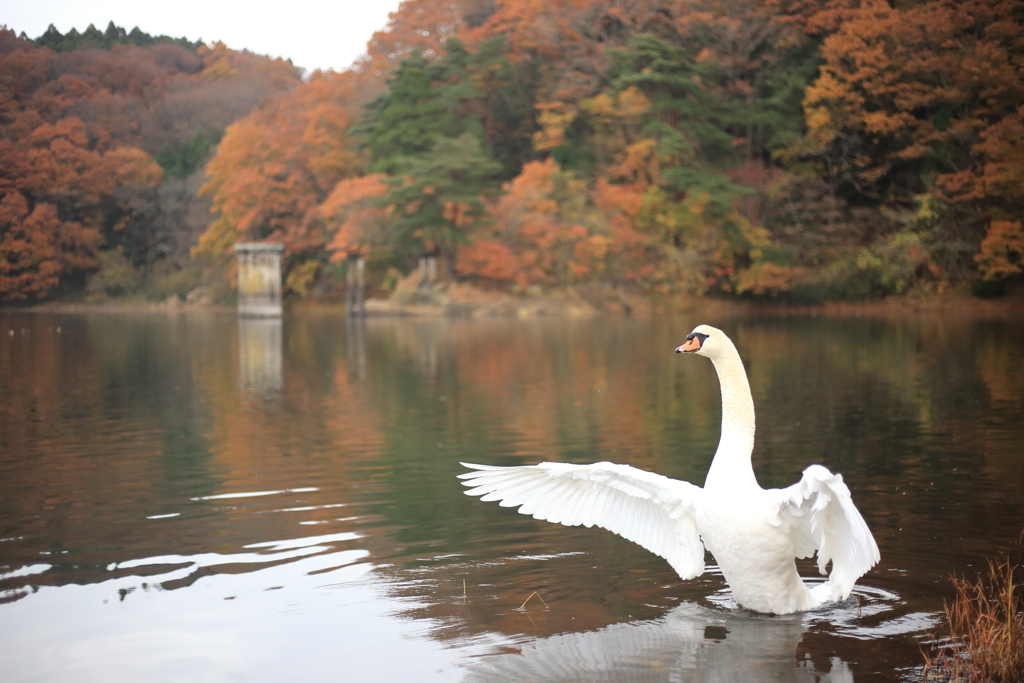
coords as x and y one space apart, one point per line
690 643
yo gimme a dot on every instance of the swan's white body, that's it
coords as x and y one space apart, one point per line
754 533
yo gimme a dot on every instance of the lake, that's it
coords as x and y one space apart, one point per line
194 497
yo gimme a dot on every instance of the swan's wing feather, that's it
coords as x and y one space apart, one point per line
821 515
655 512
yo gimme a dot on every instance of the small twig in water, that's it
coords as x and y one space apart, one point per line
528 600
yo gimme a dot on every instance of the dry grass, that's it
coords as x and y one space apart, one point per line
986 622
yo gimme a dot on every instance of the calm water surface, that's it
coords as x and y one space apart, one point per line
190 497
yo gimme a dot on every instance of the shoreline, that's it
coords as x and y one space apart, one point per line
463 301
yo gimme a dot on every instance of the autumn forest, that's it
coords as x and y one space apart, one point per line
793 150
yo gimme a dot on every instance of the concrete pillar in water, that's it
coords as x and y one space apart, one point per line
259 279
428 271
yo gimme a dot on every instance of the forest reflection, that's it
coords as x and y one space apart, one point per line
164 451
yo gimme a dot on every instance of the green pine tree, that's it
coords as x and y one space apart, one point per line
426 100
435 196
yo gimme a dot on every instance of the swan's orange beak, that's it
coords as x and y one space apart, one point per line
693 342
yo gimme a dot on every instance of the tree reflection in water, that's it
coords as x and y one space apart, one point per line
182 481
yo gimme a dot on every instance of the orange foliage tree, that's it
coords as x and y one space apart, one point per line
222 63
658 143
74 124
60 177
926 99
569 41
540 232
55 192
352 210
418 26
275 167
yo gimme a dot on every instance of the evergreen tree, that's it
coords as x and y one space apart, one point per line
114 35
52 38
91 37
425 101
185 159
509 111
690 125
436 196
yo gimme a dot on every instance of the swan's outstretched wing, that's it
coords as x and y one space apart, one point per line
821 515
651 510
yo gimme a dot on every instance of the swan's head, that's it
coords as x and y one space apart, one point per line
705 341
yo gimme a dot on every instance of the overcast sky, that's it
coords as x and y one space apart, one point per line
314 35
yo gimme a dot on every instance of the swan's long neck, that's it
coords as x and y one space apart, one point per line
731 466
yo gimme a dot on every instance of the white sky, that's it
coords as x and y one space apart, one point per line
312 33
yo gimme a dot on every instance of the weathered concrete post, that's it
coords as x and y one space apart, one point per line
428 271
355 285
259 279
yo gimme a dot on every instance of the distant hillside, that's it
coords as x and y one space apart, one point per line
103 139
801 151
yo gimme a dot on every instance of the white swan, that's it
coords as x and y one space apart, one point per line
754 533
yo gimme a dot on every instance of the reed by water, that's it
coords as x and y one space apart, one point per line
986 623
